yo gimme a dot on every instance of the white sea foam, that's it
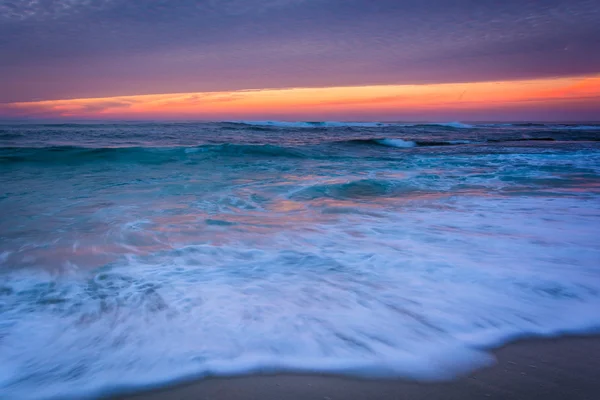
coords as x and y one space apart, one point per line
317 124
396 143
583 127
336 124
540 126
419 299
458 125
460 141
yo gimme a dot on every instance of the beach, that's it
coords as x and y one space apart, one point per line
549 369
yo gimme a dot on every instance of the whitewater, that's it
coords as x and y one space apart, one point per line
135 255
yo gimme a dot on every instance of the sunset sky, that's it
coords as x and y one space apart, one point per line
300 59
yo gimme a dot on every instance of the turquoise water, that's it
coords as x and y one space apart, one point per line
137 254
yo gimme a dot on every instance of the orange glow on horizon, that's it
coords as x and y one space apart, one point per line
301 103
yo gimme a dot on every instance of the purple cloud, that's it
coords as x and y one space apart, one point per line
93 48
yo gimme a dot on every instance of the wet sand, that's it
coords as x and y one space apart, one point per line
549 369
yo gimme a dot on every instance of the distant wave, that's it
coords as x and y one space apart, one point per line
160 155
6 135
400 143
457 125
143 155
535 139
274 124
552 126
336 124
73 155
315 124
584 127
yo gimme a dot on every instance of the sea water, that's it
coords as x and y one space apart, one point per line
138 254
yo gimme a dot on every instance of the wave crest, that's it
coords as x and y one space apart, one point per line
338 124
357 189
143 155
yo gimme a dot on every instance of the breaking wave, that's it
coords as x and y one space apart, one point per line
336 124
534 125
162 155
356 189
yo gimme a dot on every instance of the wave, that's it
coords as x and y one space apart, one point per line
534 139
7 135
72 155
583 127
542 126
357 189
516 125
439 125
337 124
456 125
229 149
401 143
275 124
144 155
159 155
381 142
396 143
314 124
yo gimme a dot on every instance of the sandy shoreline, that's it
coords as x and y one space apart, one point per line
550 369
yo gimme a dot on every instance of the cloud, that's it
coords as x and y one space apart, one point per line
66 108
22 10
572 98
55 49
102 106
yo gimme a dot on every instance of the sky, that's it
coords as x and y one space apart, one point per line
300 59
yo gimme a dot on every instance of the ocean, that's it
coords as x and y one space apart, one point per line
134 255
